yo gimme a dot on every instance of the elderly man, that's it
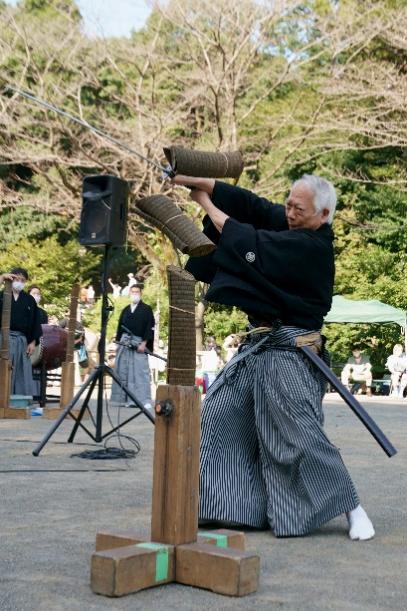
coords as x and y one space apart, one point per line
265 458
397 365
25 331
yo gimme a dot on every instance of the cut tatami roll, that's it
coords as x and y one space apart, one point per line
161 212
181 330
204 164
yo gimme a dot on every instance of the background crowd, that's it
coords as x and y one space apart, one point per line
357 373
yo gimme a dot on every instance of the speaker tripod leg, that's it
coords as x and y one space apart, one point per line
67 410
85 404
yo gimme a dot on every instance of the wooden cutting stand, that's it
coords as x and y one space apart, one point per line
124 562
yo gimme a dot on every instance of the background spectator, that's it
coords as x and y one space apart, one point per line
357 369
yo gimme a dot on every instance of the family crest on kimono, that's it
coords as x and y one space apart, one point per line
266 461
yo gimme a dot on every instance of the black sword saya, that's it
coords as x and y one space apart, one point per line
355 406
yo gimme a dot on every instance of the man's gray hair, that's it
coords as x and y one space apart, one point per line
324 193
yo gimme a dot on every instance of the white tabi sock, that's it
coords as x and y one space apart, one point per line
360 527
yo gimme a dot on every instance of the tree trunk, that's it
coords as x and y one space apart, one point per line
199 323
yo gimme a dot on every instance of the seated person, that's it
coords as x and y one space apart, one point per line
231 346
357 369
397 365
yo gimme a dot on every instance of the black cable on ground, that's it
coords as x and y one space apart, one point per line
108 452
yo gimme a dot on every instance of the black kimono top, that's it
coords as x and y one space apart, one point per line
140 322
264 268
43 316
25 316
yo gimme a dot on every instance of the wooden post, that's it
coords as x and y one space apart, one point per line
174 514
68 367
5 361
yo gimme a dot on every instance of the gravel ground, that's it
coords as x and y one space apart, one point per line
52 506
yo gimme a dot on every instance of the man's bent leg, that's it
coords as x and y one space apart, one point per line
231 483
306 479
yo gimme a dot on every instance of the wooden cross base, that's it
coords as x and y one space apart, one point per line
124 563
15 413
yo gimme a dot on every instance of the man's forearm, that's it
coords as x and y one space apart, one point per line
202 184
217 217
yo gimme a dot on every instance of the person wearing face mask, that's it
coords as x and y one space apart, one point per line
131 363
35 291
25 331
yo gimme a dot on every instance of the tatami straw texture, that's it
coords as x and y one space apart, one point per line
162 213
265 459
182 343
228 164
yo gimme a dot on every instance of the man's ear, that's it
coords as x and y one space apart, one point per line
325 214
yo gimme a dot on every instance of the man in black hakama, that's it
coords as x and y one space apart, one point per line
265 459
25 331
131 362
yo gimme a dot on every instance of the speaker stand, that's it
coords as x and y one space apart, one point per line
96 378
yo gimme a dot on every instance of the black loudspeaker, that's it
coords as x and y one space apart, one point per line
104 211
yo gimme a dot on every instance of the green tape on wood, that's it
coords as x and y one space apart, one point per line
221 540
161 559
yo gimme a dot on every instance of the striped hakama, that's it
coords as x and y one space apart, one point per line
265 459
21 373
134 372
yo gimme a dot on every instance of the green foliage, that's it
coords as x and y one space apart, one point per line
54 267
32 224
221 321
50 8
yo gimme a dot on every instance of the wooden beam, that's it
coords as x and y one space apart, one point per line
109 539
117 538
222 570
5 361
68 366
17 413
223 537
132 568
174 515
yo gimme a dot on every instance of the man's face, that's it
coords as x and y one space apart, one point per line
36 293
135 294
356 353
398 350
300 210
